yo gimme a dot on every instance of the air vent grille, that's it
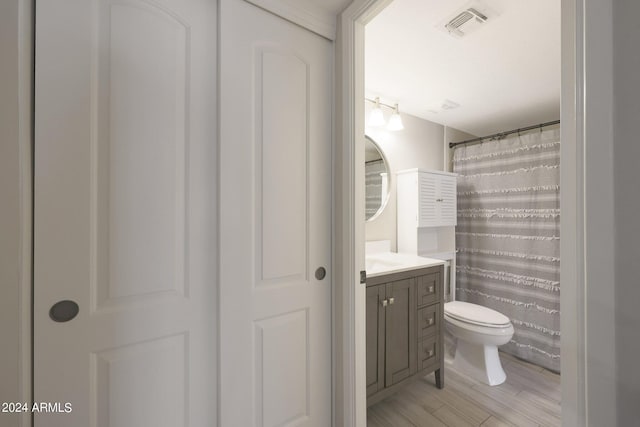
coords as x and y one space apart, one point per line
465 21
459 20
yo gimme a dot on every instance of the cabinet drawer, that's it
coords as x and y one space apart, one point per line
428 289
428 353
428 321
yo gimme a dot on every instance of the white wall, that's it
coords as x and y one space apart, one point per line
418 145
626 155
15 81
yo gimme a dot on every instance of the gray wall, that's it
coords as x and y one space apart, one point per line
453 135
626 154
418 145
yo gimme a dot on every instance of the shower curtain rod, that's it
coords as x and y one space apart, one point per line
503 134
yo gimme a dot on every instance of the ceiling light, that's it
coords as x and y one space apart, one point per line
376 118
395 121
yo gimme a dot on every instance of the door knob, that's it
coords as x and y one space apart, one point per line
63 311
320 273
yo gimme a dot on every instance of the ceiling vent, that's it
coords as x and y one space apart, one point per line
464 21
447 104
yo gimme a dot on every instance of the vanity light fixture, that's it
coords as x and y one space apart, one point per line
395 121
376 118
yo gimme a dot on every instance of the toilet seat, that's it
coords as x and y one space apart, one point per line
475 314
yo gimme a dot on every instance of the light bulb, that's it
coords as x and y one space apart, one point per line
376 118
395 121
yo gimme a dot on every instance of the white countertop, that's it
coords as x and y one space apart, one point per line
378 264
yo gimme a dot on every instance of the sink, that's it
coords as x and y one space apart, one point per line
390 262
377 264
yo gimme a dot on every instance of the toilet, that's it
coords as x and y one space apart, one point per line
479 331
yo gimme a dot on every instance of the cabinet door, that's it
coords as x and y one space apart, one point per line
400 334
427 205
447 200
437 200
375 338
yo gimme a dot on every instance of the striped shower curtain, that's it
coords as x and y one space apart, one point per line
508 237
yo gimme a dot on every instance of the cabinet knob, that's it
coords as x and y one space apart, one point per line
391 300
430 289
384 302
430 321
430 353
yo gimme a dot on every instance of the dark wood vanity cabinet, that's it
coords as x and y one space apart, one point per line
404 320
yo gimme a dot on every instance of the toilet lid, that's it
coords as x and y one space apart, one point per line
475 314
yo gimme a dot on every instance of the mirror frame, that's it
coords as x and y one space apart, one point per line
385 201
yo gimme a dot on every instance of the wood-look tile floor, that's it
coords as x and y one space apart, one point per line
530 397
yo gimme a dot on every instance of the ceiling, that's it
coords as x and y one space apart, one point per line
504 76
333 6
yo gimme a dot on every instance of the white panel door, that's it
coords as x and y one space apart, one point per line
125 187
275 220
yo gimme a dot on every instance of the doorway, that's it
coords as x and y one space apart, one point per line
576 116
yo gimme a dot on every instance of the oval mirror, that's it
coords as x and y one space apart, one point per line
377 179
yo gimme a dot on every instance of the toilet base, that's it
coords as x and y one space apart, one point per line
480 362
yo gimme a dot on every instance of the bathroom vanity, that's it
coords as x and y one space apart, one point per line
404 322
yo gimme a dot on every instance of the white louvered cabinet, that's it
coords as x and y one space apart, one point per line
426 199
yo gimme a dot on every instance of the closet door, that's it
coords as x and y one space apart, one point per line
275 220
124 213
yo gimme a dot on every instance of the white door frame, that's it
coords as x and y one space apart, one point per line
587 299
19 136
